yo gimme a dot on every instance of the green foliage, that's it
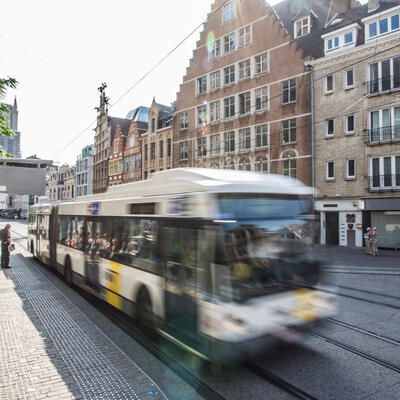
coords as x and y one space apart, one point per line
5 130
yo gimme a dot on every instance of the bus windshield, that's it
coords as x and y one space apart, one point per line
263 257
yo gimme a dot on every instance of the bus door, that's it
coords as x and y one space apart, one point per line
93 248
180 259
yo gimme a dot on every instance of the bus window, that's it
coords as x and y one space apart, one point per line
63 229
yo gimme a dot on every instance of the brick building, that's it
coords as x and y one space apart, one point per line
245 101
116 158
157 141
357 125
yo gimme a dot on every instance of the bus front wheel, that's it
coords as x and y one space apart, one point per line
145 311
68 272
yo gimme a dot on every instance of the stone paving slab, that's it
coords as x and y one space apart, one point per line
50 350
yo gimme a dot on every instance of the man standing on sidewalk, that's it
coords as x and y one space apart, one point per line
5 237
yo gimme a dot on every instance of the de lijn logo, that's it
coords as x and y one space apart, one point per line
93 208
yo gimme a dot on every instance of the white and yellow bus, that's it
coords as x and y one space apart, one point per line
216 261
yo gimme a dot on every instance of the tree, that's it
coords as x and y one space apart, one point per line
5 130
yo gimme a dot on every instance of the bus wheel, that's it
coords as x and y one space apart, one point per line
68 272
31 248
145 311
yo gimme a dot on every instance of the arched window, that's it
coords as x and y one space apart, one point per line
229 164
261 164
289 163
244 164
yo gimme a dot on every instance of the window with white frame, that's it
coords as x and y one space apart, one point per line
201 114
214 49
330 170
329 83
229 107
244 36
244 164
348 38
349 79
215 111
261 165
350 124
229 142
330 127
289 131
350 169
229 75
385 172
183 120
384 125
261 135
384 75
332 43
202 84
244 103
302 27
201 147
215 144
261 97
261 63
383 26
132 140
183 151
228 12
244 139
244 69
289 167
229 42
215 80
289 91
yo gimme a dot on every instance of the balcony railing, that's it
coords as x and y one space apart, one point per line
384 182
384 134
387 83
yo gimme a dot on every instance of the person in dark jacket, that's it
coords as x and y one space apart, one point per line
5 238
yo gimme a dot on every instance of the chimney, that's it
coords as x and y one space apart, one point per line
373 5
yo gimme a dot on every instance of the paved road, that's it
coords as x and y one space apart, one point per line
355 356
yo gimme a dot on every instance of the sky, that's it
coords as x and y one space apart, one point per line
60 51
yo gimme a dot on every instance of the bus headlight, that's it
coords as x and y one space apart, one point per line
234 325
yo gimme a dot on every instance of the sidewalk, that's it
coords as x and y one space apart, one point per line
50 349
338 255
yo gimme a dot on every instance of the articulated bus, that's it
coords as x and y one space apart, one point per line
217 261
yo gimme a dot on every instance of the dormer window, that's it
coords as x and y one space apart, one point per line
333 43
302 27
382 24
348 38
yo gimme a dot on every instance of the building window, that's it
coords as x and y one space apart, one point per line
350 169
229 107
229 75
349 124
330 170
330 127
244 69
302 27
261 62
229 43
244 164
289 131
244 139
244 36
385 173
261 165
215 49
215 112
348 38
289 91
146 152
183 120
183 151
153 125
289 168
329 83
384 125
201 147
169 147
349 79
261 95
215 80
333 43
384 75
229 142
116 146
161 144
214 144
244 103
132 140
228 12
152 151
261 135
202 84
201 115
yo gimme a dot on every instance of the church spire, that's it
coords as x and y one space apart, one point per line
15 102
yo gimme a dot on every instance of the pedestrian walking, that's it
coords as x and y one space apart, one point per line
5 238
374 242
367 241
